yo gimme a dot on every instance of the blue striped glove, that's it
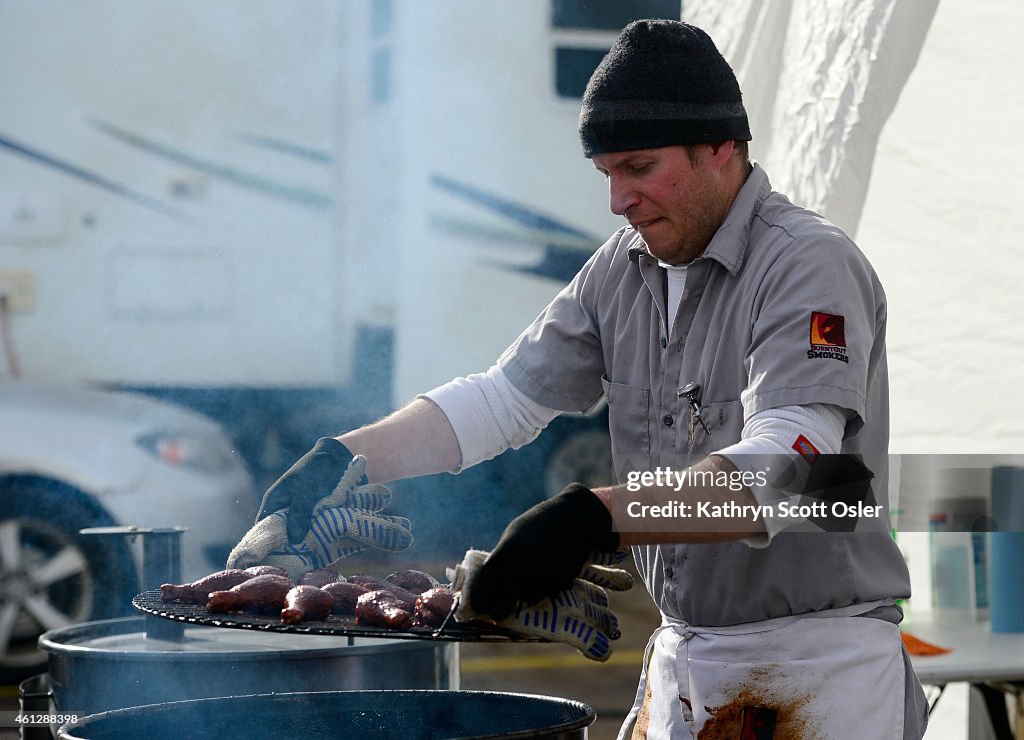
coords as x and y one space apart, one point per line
600 570
323 470
347 521
579 615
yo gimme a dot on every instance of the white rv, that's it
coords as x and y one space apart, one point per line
289 217
292 219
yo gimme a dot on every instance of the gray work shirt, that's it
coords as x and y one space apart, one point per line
781 309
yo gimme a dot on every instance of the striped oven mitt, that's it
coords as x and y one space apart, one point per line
579 616
347 521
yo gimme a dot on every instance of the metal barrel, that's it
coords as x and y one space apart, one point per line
411 715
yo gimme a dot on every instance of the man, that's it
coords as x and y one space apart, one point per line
730 332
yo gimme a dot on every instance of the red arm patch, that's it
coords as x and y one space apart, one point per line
807 451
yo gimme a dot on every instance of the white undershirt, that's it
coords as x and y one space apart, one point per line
675 276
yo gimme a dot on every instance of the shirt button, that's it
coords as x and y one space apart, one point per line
669 572
668 420
664 343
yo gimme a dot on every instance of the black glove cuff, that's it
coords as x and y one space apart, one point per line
334 448
591 515
314 474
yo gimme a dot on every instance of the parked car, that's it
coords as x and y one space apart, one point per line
73 458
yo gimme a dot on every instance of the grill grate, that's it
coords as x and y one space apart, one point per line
149 602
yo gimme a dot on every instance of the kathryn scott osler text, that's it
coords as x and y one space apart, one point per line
753 512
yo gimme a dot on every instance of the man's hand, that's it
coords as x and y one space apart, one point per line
314 476
578 615
345 522
542 552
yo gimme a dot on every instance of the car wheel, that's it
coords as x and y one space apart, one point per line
50 576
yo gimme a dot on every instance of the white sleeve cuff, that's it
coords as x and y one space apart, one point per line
489 415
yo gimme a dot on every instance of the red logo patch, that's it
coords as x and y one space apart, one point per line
827 330
828 337
807 451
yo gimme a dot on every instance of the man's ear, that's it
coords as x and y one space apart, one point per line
721 152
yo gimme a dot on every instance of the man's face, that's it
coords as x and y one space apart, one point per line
676 205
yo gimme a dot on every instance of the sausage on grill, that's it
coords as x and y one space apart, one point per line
382 609
320 577
415 581
197 592
433 606
372 583
258 595
344 596
306 604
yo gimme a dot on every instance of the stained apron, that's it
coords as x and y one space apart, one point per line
831 675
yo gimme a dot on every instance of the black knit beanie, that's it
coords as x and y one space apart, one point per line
662 83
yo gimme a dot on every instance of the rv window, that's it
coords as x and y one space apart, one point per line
573 68
607 15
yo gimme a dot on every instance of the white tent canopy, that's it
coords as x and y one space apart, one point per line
896 119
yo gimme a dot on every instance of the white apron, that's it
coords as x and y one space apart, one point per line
838 676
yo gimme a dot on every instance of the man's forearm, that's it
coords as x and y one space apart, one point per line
415 440
690 530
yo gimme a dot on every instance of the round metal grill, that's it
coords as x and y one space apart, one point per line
149 602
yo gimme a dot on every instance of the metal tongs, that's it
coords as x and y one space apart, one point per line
451 613
459 576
